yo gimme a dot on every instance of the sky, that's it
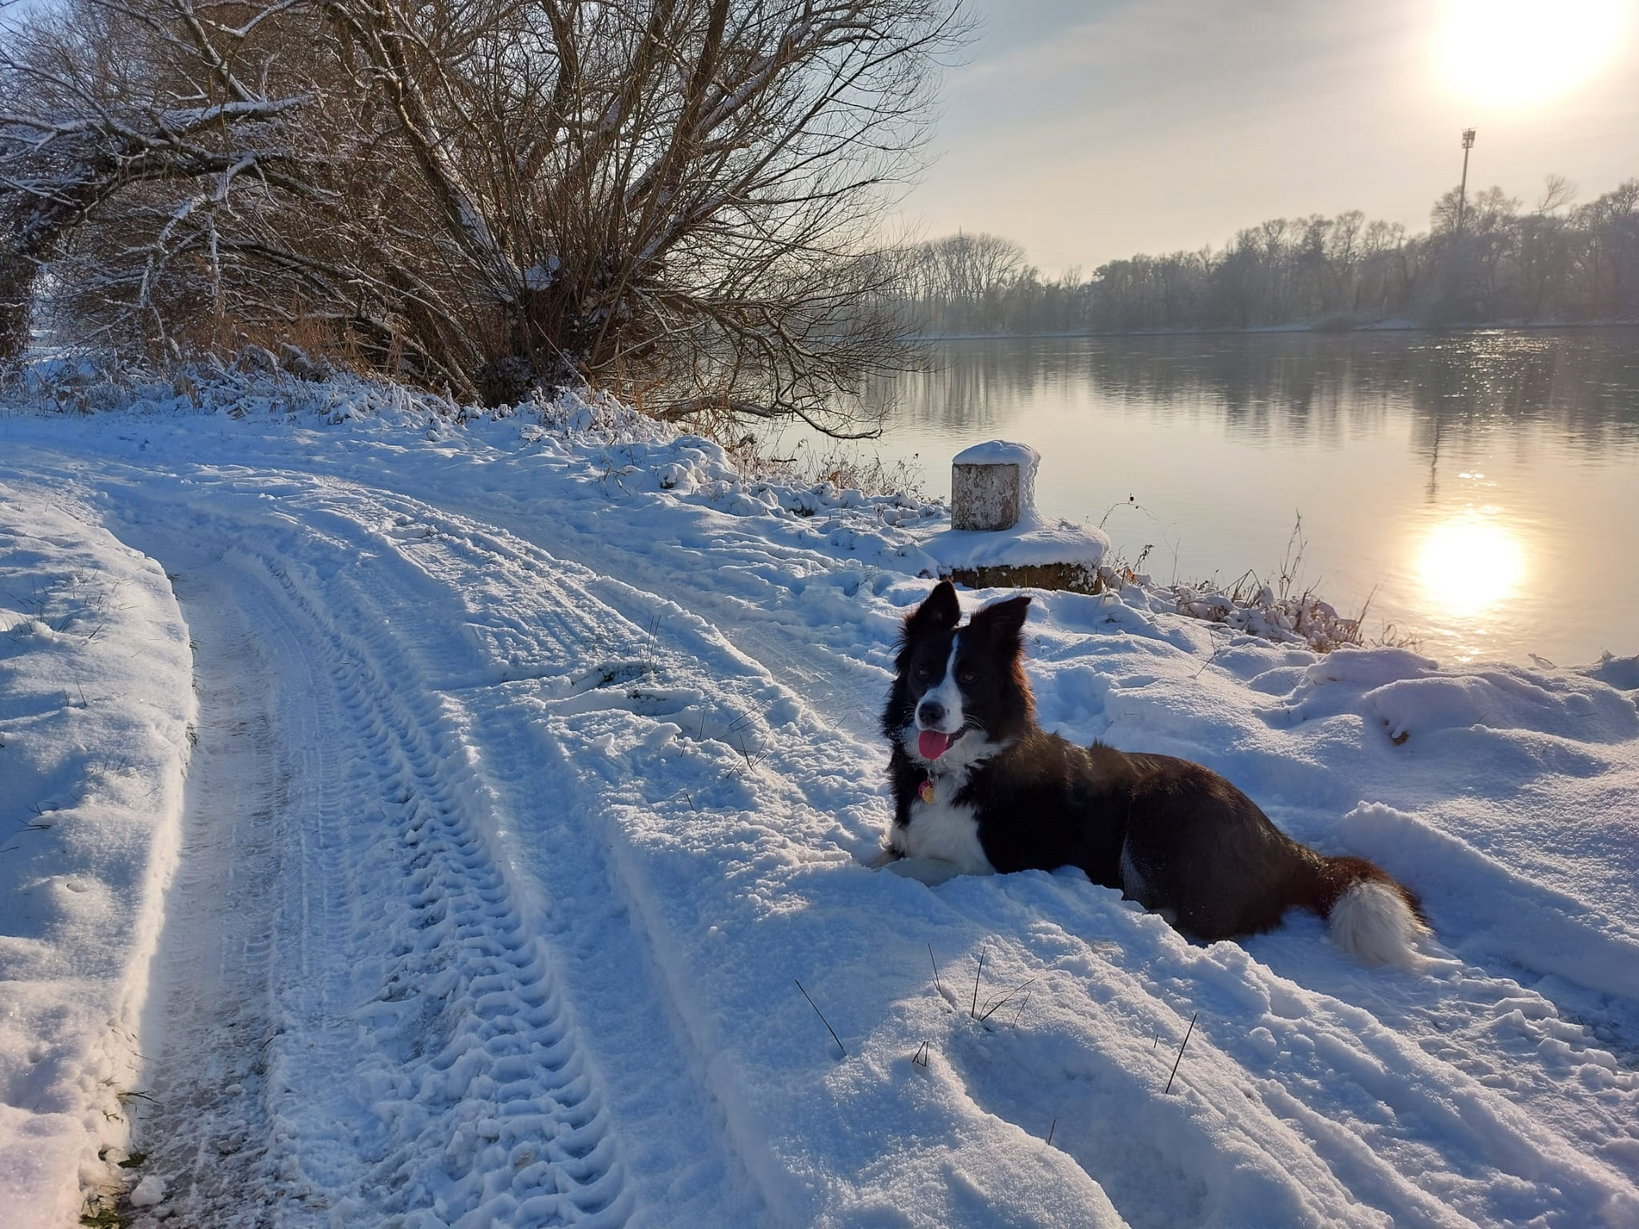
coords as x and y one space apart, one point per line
1089 130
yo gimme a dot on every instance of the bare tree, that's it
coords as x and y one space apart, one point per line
87 119
675 197
1608 258
1558 193
981 283
1552 263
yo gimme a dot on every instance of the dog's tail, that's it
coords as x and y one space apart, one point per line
1372 917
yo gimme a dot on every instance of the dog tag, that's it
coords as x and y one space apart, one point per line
927 790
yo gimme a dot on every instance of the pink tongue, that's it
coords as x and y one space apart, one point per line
932 744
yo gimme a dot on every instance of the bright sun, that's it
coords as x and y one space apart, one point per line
1470 563
1519 53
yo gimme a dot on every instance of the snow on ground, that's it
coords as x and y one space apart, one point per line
536 765
95 709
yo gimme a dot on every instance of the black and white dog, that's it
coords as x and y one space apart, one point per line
979 787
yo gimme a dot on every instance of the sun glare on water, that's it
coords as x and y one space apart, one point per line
1520 53
1470 563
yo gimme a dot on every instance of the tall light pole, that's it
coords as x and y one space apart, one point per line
1462 192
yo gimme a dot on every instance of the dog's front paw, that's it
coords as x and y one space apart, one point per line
888 854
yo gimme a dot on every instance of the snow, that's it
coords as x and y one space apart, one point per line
95 710
1031 542
453 807
148 1192
1003 452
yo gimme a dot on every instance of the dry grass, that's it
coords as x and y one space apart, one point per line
1284 608
842 467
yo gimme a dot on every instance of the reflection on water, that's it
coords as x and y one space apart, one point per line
1298 385
1470 563
1477 487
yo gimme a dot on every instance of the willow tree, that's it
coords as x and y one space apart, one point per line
674 197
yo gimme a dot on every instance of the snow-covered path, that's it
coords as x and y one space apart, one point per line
207 1013
522 795
352 848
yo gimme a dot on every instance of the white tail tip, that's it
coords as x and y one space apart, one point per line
1372 922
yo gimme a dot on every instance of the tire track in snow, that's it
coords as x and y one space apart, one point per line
554 634
535 618
202 1120
418 1062
464 1049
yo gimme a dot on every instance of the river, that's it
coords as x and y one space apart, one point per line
1477 491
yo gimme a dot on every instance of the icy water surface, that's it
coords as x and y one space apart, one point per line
1480 489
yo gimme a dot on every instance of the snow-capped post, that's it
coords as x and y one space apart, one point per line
996 538
992 485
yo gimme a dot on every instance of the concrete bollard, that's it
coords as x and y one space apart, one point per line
992 485
993 490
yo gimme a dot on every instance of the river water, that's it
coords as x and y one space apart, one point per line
1478 492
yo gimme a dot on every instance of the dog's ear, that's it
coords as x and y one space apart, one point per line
1002 622
939 609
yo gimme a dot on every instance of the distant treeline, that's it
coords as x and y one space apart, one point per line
1500 263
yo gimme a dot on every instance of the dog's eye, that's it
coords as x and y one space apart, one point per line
967 676
920 673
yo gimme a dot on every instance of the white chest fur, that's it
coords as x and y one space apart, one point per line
945 832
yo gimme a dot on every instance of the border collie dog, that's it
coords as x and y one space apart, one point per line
979 787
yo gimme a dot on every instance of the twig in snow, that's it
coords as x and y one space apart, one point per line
738 727
990 1008
973 1011
1215 652
935 965
1051 1129
751 761
650 648
1020 1011
823 1020
1180 1057
920 1058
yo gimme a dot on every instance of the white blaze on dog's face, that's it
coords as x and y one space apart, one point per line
961 685
939 711
948 734
935 707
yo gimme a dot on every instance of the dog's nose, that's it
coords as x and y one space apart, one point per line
931 713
